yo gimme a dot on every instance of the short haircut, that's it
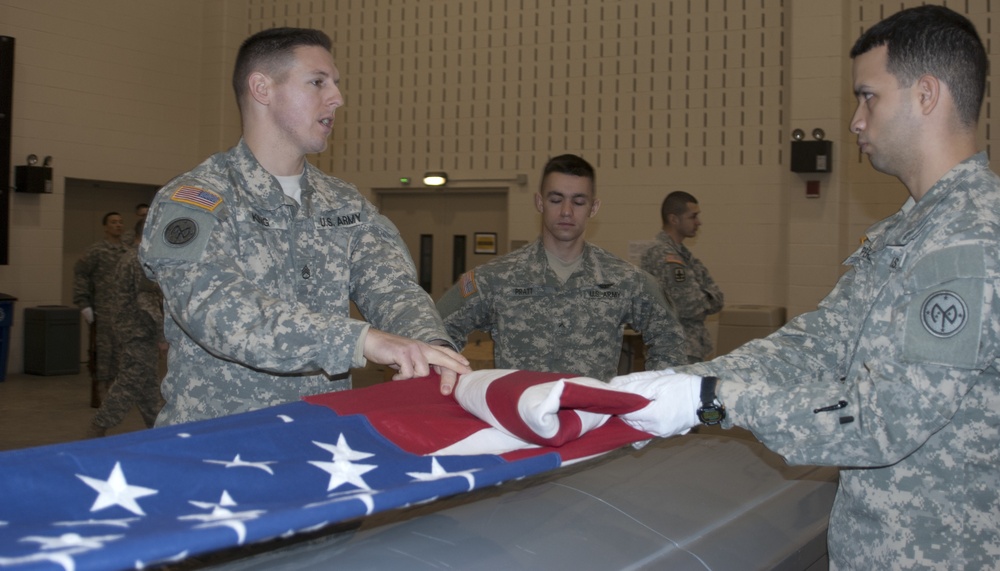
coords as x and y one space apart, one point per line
104 221
675 203
573 165
270 51
937 41
141 205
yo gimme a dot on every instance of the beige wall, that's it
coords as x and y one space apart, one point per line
112 91
658 98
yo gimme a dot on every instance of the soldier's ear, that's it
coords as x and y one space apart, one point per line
260 87
928 90
595 207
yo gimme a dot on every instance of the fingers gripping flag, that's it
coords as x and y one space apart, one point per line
158 496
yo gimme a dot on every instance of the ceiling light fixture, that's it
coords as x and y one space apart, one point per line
435 178
441 178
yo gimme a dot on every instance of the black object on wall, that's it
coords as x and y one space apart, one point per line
6 104
31 178
812 156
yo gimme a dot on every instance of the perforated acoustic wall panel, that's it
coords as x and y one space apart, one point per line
496 85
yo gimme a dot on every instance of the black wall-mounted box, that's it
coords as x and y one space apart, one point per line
812 156
32 179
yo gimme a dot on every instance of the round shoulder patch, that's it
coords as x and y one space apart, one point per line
180 231
944 314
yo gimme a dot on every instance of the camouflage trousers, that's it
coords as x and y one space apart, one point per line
106 350
138 384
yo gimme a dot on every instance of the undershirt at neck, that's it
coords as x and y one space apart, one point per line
291 186
563 270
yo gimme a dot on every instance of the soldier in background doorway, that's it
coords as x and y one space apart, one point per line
130 238
93 285
138 321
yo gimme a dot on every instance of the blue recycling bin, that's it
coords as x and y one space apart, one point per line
6 322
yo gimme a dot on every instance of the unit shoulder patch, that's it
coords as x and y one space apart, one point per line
944 314
180 231
944 325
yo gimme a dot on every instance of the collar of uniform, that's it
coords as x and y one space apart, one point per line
265 192
539 269
259 185
118 245
669 240
340 193
915 217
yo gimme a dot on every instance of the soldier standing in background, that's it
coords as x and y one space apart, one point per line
561 304
138 322
93 284
130 238
684 278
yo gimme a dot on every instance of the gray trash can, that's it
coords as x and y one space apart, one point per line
52 340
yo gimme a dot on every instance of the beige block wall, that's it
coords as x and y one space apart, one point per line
112 91
657 97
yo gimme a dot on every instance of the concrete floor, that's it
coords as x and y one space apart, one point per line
36 410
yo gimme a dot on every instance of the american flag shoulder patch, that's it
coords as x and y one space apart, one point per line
197 197
467 284
673 259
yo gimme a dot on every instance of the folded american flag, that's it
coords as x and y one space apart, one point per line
159 496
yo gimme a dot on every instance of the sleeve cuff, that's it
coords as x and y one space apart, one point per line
359 349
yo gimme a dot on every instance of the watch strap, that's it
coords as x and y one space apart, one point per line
708 386
711 411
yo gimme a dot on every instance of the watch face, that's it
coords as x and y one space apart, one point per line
711 414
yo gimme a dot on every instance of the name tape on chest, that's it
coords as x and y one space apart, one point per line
324 222
599 293
352 219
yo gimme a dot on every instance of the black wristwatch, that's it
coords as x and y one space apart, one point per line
711 410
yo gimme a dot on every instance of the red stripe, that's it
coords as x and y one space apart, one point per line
503 394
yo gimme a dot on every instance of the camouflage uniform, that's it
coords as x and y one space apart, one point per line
138 320
258 288
93 287
686 282
540 324
895 377
129 238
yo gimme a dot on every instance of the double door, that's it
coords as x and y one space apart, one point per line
448 232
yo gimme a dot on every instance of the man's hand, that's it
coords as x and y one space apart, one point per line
88 314
412 358
675 400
